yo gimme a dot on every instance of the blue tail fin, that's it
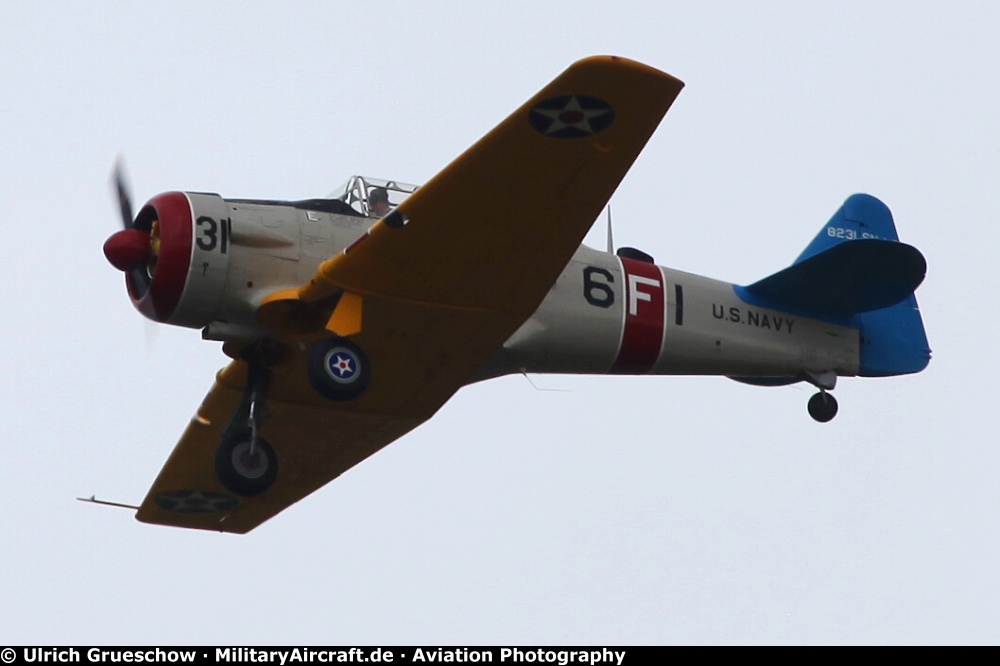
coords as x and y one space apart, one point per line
862 216
856 272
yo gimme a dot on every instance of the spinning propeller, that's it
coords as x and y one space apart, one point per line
132 248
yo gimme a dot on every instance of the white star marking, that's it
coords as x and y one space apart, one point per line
571 115
342 365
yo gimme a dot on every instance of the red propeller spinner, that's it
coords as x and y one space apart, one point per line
153 250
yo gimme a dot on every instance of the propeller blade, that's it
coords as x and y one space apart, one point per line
122 190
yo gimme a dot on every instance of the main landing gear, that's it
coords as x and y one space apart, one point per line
245 462
822 406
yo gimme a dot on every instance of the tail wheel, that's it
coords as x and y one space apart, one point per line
338 369
244 472
822 407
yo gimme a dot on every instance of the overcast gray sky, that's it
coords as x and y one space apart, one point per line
621 510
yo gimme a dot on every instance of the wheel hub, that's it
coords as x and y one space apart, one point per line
249 464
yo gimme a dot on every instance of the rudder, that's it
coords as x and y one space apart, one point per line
893 339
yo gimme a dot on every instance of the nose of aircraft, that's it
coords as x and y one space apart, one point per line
128 249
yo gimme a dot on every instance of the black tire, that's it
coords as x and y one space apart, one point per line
240 474
822 407
338 369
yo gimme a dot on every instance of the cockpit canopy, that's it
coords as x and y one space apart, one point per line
358 189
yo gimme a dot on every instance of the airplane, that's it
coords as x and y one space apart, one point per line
348 326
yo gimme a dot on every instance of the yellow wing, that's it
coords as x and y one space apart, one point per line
497 225
429 293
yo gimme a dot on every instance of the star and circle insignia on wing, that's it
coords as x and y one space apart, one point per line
195 501
571 116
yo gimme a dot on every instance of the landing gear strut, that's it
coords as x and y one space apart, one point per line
245 463
822 406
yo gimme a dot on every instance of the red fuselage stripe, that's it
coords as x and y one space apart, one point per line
644 318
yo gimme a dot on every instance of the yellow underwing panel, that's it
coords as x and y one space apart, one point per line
444 280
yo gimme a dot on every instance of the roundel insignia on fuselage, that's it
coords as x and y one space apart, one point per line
571 116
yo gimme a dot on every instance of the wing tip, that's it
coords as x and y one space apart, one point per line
620 62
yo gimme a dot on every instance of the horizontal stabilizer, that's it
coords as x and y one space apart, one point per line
848 278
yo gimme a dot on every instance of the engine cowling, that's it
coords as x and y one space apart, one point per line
175 257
